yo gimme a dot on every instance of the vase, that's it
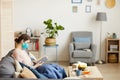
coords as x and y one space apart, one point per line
114 35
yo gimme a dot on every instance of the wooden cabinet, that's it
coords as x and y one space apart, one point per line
112 50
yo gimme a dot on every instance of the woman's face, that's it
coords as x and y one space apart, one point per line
25 44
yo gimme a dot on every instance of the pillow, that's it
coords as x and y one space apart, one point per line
18 67
81 39
38 75
17 75
26 73
79 45
7 67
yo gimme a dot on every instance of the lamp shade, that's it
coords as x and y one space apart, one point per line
101 16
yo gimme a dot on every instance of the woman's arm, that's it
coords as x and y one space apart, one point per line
38 64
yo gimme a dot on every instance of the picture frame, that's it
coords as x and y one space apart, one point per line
76 1
88 8
74 9
89 0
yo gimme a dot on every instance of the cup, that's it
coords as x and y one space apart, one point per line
78 72
75 66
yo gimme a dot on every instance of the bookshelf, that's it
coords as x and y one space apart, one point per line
112 50
34 46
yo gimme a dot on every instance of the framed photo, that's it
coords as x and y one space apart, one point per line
76 1
74 9
89 0
88 9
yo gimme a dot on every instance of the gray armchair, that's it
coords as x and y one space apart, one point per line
82 48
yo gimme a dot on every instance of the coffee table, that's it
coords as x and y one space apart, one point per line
93 75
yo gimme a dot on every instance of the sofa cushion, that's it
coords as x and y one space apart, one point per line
79 45
82 54
7 68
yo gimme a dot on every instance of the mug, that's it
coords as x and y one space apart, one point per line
78 72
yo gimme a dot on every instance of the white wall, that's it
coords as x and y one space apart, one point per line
32 13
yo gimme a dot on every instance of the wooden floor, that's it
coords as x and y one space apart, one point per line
109 71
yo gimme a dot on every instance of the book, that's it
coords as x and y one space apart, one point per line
88 50
42 59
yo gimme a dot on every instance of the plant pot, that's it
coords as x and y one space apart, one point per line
50 41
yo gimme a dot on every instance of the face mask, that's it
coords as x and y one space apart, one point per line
24 46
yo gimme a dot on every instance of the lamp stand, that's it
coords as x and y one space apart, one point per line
100 61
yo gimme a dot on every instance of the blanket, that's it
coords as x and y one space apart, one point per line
51 71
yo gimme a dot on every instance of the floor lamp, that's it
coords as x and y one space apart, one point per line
101 16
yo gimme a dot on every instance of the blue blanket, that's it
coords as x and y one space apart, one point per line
51 71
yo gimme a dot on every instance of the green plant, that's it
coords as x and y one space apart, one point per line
52 29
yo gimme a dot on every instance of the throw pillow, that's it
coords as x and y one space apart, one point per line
82 39
17 75
26 73
18 67
78 45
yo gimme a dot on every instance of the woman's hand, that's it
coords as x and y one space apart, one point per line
38 64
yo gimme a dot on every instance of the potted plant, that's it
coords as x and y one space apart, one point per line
52 31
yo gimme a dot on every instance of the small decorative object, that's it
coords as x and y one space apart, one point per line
52 32
76 1
108 35
36 33
114 35
98 2
81 66
74 9
29 32
110 3
88 9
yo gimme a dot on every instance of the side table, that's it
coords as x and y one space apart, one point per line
54 46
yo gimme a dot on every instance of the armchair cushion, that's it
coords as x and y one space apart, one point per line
80 45
82 39
82 54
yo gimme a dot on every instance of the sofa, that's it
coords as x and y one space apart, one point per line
9 67
17 79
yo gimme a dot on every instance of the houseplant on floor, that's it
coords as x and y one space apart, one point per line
52 31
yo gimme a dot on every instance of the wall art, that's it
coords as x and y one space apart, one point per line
88 9
74 9
76 1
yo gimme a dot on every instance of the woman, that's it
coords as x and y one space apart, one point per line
20 54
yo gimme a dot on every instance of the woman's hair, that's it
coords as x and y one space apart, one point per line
23 37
